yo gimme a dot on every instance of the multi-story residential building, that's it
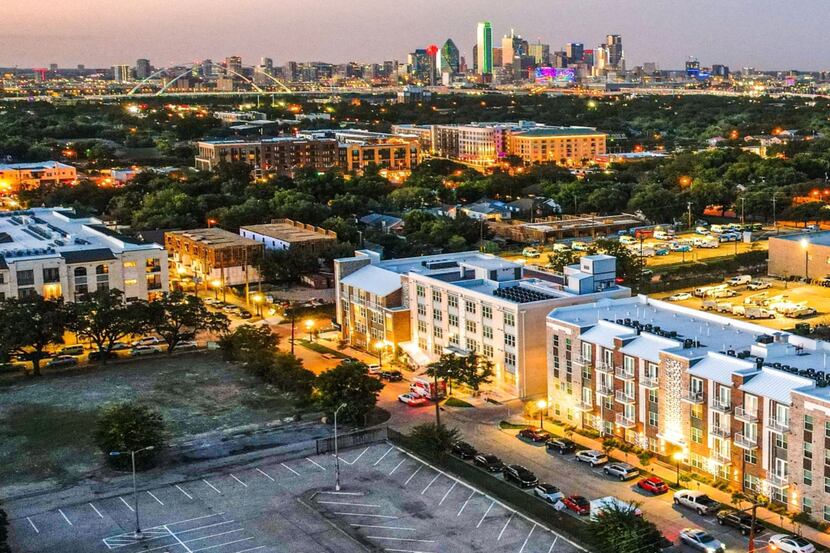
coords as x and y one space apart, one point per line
285 234
562 145
213 255
55 253
26 176
281 155
736 400
464 302
360 148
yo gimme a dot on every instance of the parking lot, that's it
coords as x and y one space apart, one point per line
390 501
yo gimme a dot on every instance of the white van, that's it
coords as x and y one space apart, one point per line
739 280
625 239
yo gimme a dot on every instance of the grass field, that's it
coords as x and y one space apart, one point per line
47 424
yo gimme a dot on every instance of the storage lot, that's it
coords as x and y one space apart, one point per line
389 500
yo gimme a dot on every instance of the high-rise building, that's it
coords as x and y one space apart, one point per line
475 58
575 52
267 63
233 64
498 60
540 53
419 65
53 67
142 69
484 42
615 51
121 73
450 59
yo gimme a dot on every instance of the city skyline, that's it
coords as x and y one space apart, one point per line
90 32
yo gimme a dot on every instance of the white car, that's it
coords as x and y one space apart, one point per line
790 544
701 540
593 457
623 471
187 344
680 296
759 285
412 399
548 492
147 341
374 368
138 351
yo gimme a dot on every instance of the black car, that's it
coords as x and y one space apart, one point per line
561 445
520 476
391 376
463 450
101 355
740 520
489 462
535 434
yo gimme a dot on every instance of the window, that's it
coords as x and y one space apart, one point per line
51 274
826 514
652 418
437 315
153 265
751 456
487 331
510 340
420 291
487 351
452 301
486 311
28 292
436 296
808 450
807 505
826 485
422 310
697 435
509 319
470 326
510 359
130 282
453 319
652 396
154 282
25 278
827 457
470 307
422 327
808 477
472 345
808 423
453 339
438 332
827 429
129 264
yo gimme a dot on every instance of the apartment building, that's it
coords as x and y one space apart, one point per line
360 148
26 176
461 303
55 253
281 155
570 146
286 234
732 398
211 255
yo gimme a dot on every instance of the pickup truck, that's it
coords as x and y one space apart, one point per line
697 500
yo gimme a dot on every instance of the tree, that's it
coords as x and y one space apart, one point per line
287 373
250 345
349 383
104 318
130 427
618 528
177 317
29 325
433 439
448 367
476 370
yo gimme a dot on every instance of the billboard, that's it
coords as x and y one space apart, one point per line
555 75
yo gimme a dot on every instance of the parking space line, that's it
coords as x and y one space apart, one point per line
383 527
289 468
430 483
555 539
461 510
527 538
341 493
382 457
417 470
69 522
448 492
487 512
404 551
33 525
154 497
367 515
356 459
216 535
175 537
265 474
315 463
221 545
503 528
251 549
125 503
214 488
238 480
347 503
215 524
96 510
399 539
187 495
396 467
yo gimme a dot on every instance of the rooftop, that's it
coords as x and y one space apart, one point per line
214 237
817 238
33 166
291 233
559 131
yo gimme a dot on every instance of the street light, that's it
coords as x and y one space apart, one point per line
542 405
379 345
309 326
258 299
135 489
804 245
336 455
216 284
677 456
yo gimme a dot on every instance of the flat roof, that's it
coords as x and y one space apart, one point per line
214 237
34 166
288 232
818 238
558 131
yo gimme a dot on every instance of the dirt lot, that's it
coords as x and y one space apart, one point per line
46 424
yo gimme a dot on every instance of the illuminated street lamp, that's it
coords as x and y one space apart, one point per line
804 246
542 405
216 284
379 345
677 456
309 326
258 299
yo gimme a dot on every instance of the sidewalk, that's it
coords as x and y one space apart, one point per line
669 475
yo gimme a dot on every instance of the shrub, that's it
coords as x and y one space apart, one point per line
434 440
130 427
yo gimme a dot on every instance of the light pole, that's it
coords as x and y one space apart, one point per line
135 489
542 405
678 456
257 299
336 455
309 326
804 246
743 201
379 349
216 284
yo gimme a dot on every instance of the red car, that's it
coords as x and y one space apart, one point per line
653 484
577 504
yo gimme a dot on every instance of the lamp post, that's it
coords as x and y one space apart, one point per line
336 455
804 246
216 284
309 326
677 456
379 345
542 405
135 489
257 299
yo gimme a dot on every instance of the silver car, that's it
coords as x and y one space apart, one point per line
701 540
623 471
592 456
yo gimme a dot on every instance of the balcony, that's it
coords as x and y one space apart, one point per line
622 397
624 421
745 415
778 426
624 374
650 382
605 390
778 481
720 432
586 378
582 362
604 368
695 398
720 406
720 458
745 442
584 405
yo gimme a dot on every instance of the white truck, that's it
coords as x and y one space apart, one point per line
739 280
752 312
603 503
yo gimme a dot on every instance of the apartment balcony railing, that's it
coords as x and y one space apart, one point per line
744 415
778 426
778 480
720 457
624 374
720 406
585 405
745 442
720 432
625 422
695 398
649 381
622 397
582 362
604 368
605 390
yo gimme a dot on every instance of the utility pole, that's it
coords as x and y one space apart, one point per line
689 208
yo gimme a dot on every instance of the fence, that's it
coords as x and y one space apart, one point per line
353 439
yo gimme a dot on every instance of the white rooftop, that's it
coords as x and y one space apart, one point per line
374 280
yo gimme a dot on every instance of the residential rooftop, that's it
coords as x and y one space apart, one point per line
293 233
542 132
214 237
41 165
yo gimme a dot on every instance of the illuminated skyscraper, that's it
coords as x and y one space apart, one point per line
142 69
484 41
615 51
449 60
575 51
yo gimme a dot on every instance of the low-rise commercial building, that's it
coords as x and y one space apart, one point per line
800 255
26 176
285 234
55 253
214 257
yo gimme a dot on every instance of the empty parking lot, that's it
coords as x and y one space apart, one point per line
390 501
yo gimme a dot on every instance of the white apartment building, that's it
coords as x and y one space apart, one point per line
744 403
465 302
55 253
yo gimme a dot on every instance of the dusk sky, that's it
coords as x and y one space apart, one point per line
766 34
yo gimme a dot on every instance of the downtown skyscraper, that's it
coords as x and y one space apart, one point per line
484 48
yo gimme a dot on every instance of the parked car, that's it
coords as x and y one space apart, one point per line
739 280
623 471
593 457
759 285
62 361
101 355
77 349
787 543
535 434
701 540
675 247
825 281
412 399
187 344
119 346
138 351
520 476
654 485
489 462
548 492
530 252
147 341
374 368
697 500
740 520
577 504
561 445
463 450
680 296
243 314
391 376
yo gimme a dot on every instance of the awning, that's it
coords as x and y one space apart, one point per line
414 353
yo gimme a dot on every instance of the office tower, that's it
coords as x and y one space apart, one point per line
142 69
53 67
81 67
266 63
498 58
719 70
588 58
485 48
601 57
419 65
559 58
575 52
121 73
233 64
615 51
291 71
475 59
450 59
692 68
540 53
